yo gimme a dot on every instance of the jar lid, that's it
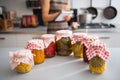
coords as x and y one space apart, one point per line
47 39
97 48
63 33
35 44
89 39
78 37
47 36
18 56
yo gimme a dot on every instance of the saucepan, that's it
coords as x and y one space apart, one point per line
110 12
85 18
92 10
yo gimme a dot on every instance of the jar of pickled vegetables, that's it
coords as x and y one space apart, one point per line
49 45
63 42
97 56
21 60
37 48
86 44
77 46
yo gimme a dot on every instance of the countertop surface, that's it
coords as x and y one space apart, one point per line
36 30
61 68
43 29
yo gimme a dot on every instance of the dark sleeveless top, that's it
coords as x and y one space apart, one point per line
56 5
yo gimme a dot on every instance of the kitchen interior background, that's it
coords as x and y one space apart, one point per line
20 7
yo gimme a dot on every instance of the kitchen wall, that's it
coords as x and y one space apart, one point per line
16 5
20 7
100 5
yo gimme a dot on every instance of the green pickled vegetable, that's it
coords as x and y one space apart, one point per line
63 46
97 62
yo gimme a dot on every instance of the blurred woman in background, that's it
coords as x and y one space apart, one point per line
50 10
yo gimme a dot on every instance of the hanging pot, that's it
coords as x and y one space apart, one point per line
110 12
92 10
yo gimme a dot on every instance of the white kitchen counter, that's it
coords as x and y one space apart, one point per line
61 68
21 35
43 29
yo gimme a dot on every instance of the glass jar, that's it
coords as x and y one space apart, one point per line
84 54
97 65
37 48
49 45
97 55
21 60
77 46
86 44
63 42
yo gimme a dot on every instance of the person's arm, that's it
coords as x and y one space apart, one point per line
45 12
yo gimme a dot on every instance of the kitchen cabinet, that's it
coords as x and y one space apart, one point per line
7 40
108 35
22 39
16 40
111 39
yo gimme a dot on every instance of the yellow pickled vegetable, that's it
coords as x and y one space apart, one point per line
77 49
23 68
39 56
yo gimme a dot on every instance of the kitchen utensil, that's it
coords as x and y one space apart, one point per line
85 18
92 10
110 12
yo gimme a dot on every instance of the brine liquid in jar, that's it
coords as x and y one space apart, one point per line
49 45
63 42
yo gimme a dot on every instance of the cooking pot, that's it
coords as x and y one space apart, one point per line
110 12
92 10
85 18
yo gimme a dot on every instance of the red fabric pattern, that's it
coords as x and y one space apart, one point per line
35 44
97 48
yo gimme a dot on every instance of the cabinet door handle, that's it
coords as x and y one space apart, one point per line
104 37
35 37
2 38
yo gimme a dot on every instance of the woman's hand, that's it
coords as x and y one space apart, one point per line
66 8
67 18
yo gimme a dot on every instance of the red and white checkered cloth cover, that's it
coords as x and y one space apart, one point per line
63 33
47 39
78 37
24 56
35 44
89 39
97 48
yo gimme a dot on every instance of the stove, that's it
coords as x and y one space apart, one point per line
97 26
